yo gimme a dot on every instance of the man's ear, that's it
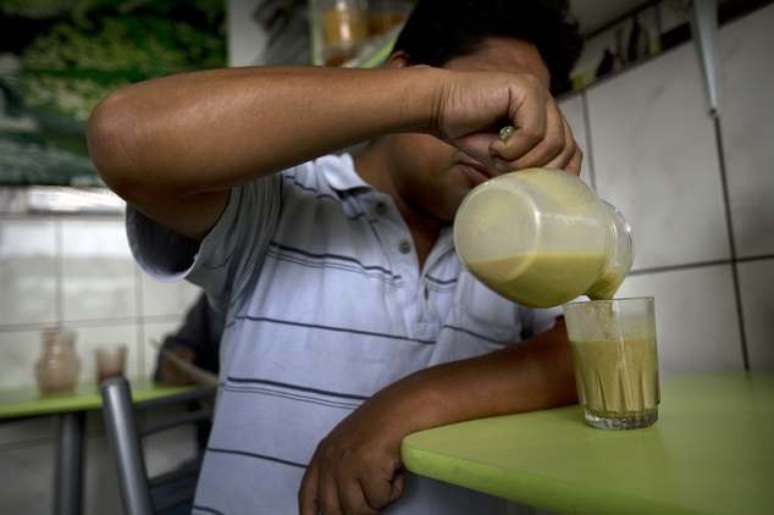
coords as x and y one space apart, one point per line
399 59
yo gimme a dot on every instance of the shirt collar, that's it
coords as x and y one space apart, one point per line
339 172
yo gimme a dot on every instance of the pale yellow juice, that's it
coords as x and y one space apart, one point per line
617 378
541 279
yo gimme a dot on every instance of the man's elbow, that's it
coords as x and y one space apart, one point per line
111 140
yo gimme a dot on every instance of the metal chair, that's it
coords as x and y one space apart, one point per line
139 493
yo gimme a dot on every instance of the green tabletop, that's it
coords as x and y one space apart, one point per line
712 451
26 402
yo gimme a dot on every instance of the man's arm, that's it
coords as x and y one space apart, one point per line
196 341
172 147
354 468
536 374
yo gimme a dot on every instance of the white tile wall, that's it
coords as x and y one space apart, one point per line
28 272
747 114
18 352
655 159
99 289
98 271
162 298
572 109
756 280
695 317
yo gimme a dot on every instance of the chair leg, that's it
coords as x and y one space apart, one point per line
124 439
68 482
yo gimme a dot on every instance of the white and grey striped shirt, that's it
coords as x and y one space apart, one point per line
325 305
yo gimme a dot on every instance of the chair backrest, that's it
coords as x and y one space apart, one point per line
125 440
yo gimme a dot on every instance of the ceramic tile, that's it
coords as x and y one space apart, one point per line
756 279
165 298
572 109
696 317
18 352
746 68
28 268
155 331
28 479
98 271
655 159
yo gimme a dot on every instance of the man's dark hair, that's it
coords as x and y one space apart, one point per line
439 30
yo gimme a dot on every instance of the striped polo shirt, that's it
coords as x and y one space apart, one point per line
325 305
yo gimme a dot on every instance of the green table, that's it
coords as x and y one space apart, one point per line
712 451
70 411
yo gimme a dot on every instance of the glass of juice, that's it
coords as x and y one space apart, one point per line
110 361
616 363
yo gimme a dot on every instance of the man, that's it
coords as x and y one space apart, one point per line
196 341
350 322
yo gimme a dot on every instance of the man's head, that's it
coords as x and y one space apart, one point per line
527 36
440 30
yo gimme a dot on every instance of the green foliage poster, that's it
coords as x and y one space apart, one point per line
58 58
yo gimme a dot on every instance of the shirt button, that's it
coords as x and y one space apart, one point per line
404 247
381 208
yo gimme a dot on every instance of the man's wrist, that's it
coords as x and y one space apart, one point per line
412 405
420 98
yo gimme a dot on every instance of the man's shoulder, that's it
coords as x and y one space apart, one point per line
321 177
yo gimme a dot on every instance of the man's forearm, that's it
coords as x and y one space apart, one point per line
206 131
534 375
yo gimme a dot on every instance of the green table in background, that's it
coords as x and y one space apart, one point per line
712 451
70 411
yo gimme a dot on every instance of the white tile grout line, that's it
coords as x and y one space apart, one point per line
715 116
59 288
101 322
673 268
699 264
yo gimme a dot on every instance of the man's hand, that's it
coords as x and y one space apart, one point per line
471 107
356 468
170 374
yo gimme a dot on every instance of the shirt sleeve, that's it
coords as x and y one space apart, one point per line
535 321
229 259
